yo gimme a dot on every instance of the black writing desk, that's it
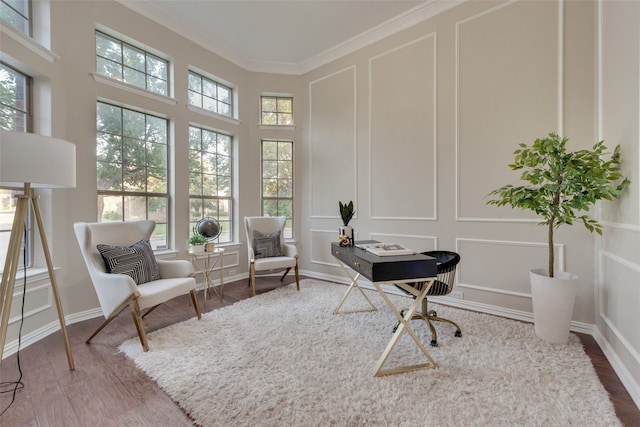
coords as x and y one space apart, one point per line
388 270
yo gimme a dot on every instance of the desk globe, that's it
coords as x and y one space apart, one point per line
209 228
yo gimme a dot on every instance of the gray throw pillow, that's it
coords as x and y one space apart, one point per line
266 245
137 261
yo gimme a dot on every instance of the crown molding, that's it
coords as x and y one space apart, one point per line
401 22
395 25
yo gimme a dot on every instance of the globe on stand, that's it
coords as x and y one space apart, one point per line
209 228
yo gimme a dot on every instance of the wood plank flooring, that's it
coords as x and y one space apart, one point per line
106 389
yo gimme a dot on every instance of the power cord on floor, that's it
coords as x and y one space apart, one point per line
13 386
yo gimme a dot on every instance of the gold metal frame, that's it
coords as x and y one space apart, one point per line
404 325
204 264
354 283
403 321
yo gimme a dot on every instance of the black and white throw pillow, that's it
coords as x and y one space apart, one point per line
137 261
266 245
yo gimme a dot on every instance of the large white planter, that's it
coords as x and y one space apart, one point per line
553 299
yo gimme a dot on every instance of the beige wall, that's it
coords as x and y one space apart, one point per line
617 291
429 119
416 129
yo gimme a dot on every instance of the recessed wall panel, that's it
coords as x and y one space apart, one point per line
332 136
402 129
620 92
501 266
507 93
619 298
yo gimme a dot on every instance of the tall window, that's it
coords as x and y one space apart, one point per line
211 178
132 65
17 13
131 152
276 110
277 181
210 95
15 106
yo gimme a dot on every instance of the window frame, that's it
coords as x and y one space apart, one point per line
162 232
26 253
289 227
277 112
217 84
27 20
229 199
124 67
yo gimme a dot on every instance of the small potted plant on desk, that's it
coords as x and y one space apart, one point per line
196 243
559 185
345 233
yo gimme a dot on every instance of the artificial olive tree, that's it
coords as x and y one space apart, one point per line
562 184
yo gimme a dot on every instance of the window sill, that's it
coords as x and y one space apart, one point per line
132 89
208 113
28 42
276 127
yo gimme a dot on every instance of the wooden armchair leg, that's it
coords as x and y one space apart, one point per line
194 300
113 316
97 331
137 319
297 275
252 278
285 274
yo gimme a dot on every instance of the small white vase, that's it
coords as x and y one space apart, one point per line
553 299
347 230
196 249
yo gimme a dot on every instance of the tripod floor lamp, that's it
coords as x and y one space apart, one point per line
32 161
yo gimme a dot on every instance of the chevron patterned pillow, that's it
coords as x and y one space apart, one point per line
266 245
137 261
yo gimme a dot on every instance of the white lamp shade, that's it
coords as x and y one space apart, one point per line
41 161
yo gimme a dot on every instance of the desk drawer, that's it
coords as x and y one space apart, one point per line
385 268
360 265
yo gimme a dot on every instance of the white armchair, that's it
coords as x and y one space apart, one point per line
115 290
267 250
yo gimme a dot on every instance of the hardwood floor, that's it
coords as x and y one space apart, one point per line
106 389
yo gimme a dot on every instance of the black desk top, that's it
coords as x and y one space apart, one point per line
385 268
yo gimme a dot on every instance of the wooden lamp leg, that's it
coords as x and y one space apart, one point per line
11 267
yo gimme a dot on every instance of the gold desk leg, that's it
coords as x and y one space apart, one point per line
404 324
354 283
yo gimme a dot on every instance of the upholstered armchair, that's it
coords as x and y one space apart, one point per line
125 273
268 252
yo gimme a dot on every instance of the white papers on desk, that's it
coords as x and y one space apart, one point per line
385 249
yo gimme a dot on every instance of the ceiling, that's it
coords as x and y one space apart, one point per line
287 36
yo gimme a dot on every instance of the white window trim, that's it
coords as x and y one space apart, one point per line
28 42
133 89
278 127
211 114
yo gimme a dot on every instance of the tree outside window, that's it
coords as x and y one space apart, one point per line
211 179
121 61
15 106
210 95
17 13
277 181
276 110
132 171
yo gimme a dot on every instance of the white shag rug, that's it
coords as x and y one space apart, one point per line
283 359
